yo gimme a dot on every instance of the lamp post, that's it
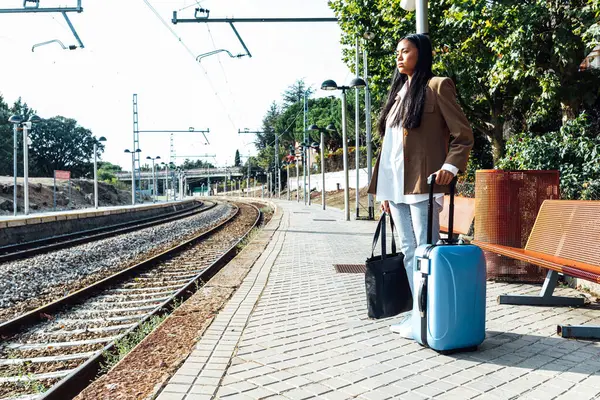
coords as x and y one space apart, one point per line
297 182
166 188
26 127
331 85
16 121
287 164
174 172
307 165
153 177
307 146
100 139
368 36
279 183
421 7
133 173
330 128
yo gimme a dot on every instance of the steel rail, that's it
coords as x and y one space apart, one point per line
80 377
31 248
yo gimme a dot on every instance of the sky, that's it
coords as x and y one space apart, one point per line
128 49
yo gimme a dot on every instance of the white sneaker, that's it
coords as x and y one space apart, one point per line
404 327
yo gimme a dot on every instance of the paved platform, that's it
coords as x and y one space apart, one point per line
296 329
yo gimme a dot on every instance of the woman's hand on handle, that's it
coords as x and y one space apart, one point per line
385 206
443 177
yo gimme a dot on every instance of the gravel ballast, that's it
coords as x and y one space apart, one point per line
46 273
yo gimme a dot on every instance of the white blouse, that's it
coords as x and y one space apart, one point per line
390 176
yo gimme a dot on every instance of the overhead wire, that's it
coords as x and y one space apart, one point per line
180 40
196 3
222 69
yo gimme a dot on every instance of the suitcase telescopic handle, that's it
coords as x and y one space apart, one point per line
431 182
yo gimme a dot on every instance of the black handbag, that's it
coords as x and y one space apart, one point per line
388 290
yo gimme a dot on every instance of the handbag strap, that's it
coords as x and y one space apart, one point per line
393 236
380 231
380 224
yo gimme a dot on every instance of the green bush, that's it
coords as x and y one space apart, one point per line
118 184
574 150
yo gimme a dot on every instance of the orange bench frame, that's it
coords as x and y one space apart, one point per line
562 231
464 213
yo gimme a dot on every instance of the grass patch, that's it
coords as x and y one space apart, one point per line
28 384
266 210
124 345
251 235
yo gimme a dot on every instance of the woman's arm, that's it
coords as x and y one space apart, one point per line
461 134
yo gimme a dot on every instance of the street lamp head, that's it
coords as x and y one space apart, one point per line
369 35
148 158
358 83
15 119
331 127
34 119
329 85
408 5
157 157
138 150
313 127
315 145
102 139
128 151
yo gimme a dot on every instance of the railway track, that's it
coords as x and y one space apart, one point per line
28 249
61 346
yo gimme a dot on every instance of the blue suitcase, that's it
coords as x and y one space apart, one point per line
449 297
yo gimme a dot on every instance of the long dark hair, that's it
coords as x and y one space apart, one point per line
411 108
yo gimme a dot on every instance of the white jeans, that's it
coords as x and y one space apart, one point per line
411 223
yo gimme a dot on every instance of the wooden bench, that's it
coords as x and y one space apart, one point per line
464 212
565 239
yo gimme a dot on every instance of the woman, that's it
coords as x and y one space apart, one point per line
424 131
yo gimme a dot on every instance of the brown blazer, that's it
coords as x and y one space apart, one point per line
444 136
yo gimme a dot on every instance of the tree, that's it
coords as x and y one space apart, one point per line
188 164
6 135
237 161
267 134
59 143
107 171
6 139
295 93
515 63
287 123
574 151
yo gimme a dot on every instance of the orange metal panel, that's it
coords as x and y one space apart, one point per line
506 207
